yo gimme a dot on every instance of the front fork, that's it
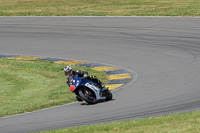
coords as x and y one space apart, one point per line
103 92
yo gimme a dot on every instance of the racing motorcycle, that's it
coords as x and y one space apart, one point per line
88 91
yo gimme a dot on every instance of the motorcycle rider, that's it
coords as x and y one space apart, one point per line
69 72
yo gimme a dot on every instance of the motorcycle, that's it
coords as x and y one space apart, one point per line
88 91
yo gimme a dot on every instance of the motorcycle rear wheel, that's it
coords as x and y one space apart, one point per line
87 95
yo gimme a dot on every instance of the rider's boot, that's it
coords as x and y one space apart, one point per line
97 81
100 84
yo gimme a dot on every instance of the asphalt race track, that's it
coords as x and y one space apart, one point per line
163 51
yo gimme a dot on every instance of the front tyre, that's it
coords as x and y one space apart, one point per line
108 95
87 95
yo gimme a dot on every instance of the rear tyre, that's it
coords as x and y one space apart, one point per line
87 95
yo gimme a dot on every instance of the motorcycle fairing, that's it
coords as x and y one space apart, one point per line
95 89
72 88
78 82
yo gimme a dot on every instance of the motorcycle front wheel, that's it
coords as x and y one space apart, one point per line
87 95
108 95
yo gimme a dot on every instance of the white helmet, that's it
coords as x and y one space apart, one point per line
68 70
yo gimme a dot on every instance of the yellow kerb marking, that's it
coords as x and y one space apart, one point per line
120 76
113 86
25 58
105 68
72 62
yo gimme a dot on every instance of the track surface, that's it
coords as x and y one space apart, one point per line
164 51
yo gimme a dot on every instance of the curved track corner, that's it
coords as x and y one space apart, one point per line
117 77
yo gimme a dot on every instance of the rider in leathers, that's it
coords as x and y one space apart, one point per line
69 72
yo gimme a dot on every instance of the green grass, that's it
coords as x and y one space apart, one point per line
176 123
99 8
32 85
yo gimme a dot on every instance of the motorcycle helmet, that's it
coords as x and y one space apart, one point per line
68 70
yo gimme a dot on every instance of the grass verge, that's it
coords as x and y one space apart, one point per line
177 123
99 8
31 85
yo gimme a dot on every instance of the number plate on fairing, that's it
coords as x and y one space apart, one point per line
90 85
